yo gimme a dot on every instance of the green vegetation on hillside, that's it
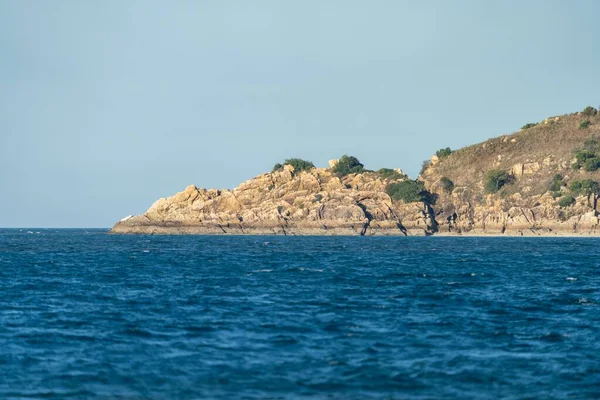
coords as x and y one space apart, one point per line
584 124
495 179
298 164
443 153
566 201
589 111
348 165
555 186
588 157
388 173
585 187
557 183
409 192
277 167
529 125
447 184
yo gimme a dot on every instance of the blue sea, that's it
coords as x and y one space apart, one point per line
89 315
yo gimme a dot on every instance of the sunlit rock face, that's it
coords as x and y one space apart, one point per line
536 197
314 202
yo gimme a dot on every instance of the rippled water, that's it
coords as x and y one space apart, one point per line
84 314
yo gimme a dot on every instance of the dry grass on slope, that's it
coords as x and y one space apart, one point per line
532 156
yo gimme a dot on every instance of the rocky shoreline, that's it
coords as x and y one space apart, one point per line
343 230
353 206
314 202
540 181
196 230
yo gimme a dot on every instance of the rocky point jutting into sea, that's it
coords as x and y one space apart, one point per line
542 180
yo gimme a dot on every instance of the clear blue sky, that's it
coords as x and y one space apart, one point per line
106 106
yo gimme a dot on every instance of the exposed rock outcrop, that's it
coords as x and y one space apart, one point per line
317 202
314 202
527 205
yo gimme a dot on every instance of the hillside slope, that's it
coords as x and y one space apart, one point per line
542 180
538 163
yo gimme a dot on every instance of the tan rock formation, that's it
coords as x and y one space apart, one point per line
308 203
526 205
317 202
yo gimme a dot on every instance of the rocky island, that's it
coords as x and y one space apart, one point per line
542 180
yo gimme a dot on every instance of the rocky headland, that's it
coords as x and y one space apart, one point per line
542 180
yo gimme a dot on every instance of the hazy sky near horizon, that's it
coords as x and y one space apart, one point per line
105 106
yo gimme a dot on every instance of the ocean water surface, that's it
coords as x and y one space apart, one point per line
88 315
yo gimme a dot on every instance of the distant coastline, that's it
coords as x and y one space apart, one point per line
540 181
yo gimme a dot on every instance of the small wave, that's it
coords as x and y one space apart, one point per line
585 301
262 270
570 278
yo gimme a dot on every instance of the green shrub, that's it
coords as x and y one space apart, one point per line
529 125
495 180
589 111
589 151
555 194
447 184
443 153
591 164
318 197
566 201
277 167
299 164
583 155
348 165
584 124
408 191
556 183
388 173
585 187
